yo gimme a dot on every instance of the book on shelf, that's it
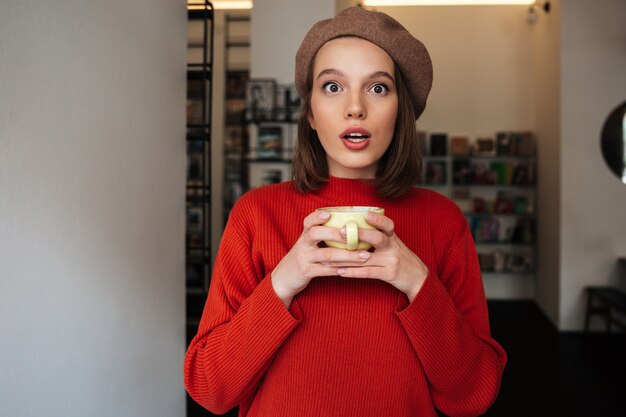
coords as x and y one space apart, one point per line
235 109
270 142
481 174
195 221
194 274
459 146
232 188
485 147
523 174
503 144
524 231
488 229
485 229
500 171
236 82
517 144
461 171
506 228
520 261
516 261
436 172
195 159
233 139
524 144
438 144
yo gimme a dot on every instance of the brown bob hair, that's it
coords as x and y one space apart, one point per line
398 169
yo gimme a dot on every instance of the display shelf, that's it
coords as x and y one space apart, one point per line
198 186
497 195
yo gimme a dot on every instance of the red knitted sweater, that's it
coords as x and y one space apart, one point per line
345 347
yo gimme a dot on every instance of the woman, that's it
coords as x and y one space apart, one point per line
294 328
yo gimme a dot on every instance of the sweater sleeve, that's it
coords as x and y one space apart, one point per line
242 326
448 325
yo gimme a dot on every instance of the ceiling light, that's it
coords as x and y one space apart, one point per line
220 5
444 2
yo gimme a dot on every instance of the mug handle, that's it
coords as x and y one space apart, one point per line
352 235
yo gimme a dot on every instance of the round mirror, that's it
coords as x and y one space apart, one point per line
614 141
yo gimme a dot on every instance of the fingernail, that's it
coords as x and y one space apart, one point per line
341 271
343 230
370 216
364 255
324 215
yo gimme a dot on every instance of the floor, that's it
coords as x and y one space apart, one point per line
550 373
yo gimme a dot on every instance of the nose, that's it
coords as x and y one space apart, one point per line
355 108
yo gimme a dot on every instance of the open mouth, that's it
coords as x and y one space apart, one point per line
356 137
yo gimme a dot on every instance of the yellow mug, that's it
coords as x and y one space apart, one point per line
353 218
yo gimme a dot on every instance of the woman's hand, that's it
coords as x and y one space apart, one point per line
306 260
392 261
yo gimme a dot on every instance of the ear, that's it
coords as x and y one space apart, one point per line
311 120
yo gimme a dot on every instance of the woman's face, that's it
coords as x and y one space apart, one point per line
354 104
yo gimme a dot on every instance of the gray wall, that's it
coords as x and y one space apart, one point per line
92 168
593 200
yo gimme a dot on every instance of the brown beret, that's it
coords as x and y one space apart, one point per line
409 54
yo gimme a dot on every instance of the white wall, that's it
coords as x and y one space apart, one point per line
278 27
593 83
92 175
481 56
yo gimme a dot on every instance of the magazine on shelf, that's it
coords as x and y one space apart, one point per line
265 173
260 99
270 142
287 102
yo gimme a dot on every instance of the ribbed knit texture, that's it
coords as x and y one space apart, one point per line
346 347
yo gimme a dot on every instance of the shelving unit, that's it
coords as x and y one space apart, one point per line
198 198
497 195
198 254
237 58
262 151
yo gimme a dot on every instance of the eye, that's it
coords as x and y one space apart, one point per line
331 87
379 89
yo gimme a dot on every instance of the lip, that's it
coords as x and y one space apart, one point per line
355 130
352 145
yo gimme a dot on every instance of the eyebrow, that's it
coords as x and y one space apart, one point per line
333 71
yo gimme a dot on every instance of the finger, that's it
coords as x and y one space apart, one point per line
375 237
324 233
381 222
368 272
327 256
315 218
